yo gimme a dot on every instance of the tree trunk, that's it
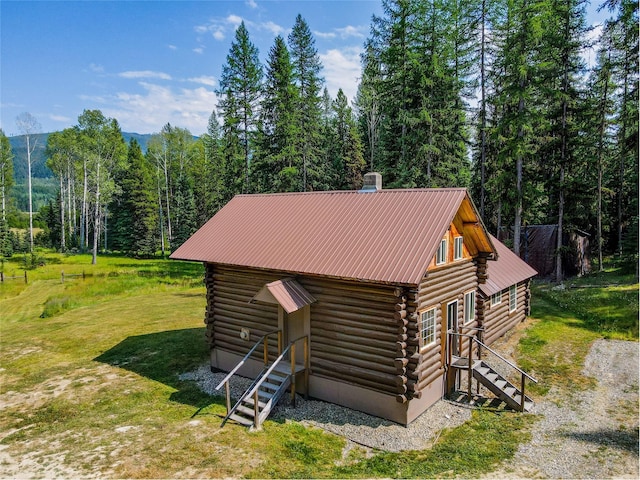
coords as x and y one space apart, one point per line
30 195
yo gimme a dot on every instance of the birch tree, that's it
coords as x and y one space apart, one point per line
28 125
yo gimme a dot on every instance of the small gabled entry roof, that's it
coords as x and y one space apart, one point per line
388 236
507 270
288 293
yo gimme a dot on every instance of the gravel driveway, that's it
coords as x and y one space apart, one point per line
593 434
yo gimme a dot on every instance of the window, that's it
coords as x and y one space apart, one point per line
513 298
441 255
457 248
496 299
428 327
469 307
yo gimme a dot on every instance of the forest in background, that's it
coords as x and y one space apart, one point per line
492 95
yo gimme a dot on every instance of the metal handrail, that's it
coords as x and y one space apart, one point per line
246 357
496 354
273 365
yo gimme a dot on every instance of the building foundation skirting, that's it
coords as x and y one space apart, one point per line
345 394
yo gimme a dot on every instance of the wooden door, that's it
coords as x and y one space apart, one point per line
452 326
297 324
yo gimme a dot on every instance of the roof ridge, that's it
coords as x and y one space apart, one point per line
329 192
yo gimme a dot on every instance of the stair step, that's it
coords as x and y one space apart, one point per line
261 404
241 420
501 384
245 410
510 391
270 386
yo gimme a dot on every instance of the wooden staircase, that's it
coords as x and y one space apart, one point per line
500 386
257 402
484 374
271 386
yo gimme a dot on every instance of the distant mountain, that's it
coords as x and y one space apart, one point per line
39 167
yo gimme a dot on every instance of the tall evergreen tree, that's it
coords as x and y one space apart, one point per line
306 72
348 160
134 211
279 160
239 98
6 182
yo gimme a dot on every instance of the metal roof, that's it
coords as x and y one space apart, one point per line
287 292
387 236
507 270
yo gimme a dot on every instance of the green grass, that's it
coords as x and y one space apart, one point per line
568 320
91 368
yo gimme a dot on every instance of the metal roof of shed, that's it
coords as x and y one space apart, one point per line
509 269
388 236
288 293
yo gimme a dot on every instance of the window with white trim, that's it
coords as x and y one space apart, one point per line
428 327
457 248
441 254
513 298
469 306
496 298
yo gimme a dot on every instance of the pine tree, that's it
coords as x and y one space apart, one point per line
279 161
348 160
6 182
306 73
239 94
134 212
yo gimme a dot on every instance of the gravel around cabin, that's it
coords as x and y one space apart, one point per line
590 434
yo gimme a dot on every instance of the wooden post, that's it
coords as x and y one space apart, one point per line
25 277
1 277
266 351
293 374
279 342
522 392
83 276
228 395
306 368
256 411
62 276
470 366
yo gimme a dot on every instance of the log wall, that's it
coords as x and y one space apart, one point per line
438 288
497 319
229 292
357 329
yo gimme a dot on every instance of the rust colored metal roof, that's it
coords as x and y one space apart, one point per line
387 236
287 292
507 270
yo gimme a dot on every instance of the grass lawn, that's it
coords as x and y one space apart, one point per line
90 383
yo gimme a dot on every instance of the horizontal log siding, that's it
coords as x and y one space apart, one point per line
442 286
497 319
229 310
353 333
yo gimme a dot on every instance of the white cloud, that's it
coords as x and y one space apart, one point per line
272 27
325 34
342 70
198 50
172 47
203 80
234 20
148 111
94 67
145 74
344 32
589 54
221 27
251 3
60 118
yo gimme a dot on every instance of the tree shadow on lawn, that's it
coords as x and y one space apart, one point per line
619 439
162 357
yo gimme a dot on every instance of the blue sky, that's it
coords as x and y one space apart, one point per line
147 63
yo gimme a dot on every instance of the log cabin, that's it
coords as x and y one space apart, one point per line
362 298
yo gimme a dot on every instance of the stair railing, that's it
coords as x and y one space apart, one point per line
253 390
523 374
225 381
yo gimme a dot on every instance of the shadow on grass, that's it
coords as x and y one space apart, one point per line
162 357
619 439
